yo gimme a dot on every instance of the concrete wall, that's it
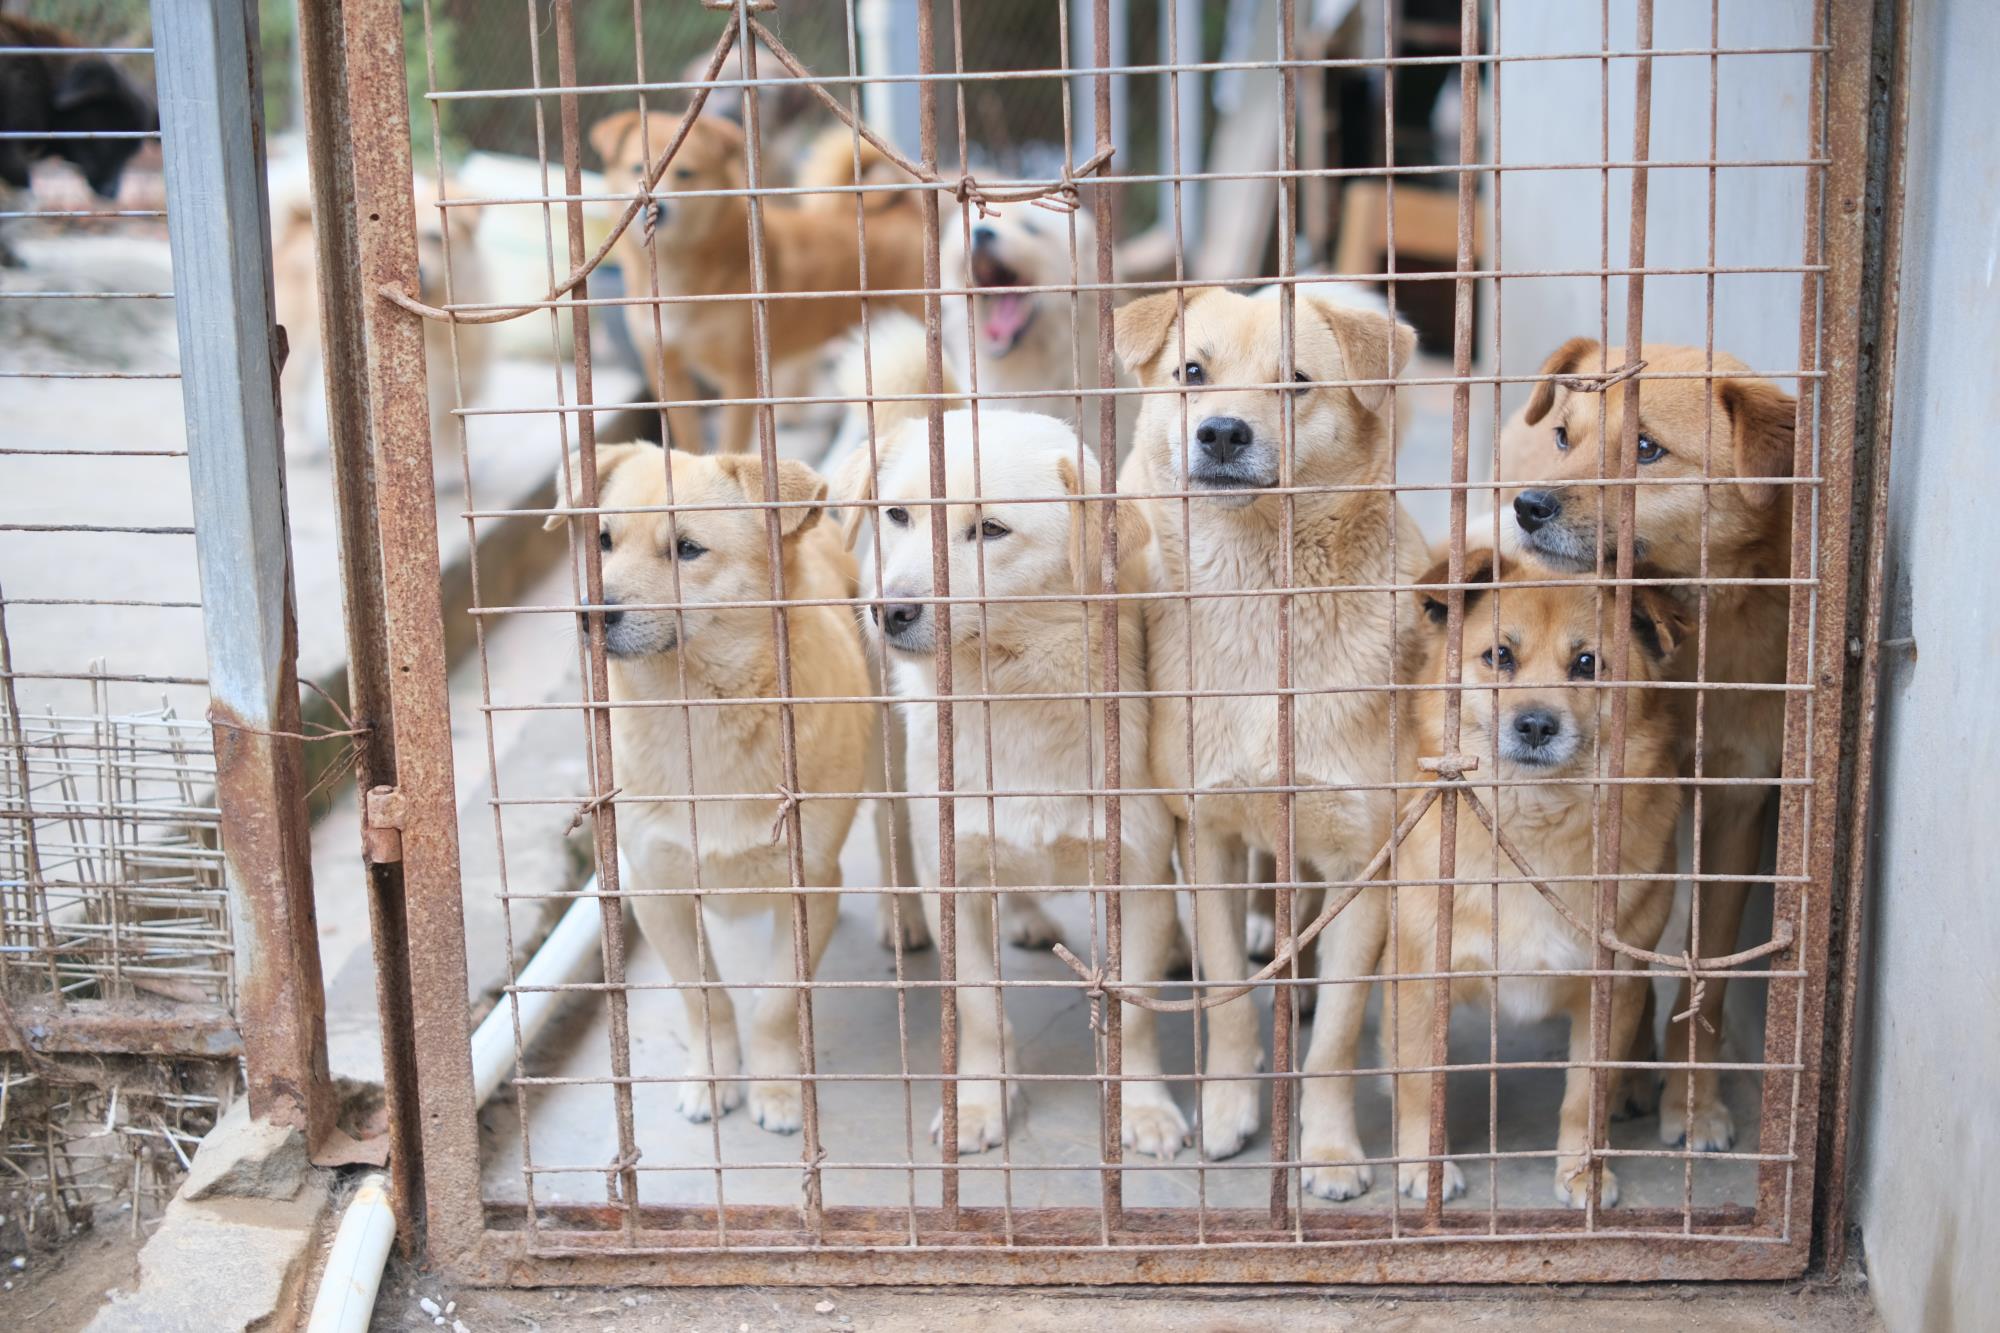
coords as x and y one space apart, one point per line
1551 112
1928 1135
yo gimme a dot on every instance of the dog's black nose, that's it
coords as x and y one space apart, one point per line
1534 509
1536 727
983 236
1222 438
898 617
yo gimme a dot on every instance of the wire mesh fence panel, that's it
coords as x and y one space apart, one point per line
118 965
1234 672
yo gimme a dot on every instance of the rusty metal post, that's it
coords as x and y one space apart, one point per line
412 644
211 115
330 160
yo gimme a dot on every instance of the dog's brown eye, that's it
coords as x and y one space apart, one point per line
687 548
1191 373
1300 377
898 515
1500 658
683 173
1562 439
1584 667
992 528
604 539
1650 450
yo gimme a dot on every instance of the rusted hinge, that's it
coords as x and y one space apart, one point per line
382 826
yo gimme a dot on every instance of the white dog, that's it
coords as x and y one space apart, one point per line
1035 648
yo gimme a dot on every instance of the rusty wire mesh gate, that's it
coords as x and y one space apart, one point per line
954 1216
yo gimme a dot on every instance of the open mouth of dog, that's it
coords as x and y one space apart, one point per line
1004 316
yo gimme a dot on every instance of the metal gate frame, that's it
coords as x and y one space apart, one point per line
359 128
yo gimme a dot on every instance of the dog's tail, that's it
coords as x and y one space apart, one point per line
830 164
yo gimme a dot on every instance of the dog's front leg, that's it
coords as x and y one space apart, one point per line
1574 1135
1732 843
1150 927
670 923
1407 1010
777 1103
984 1037
1350 948
1231 1105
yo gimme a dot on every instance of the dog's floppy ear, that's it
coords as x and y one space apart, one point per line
1140 328
607 136
1481 566
1660 619
1566 360
1086 528
1763 420
796 482
88 80
610 457
1372 347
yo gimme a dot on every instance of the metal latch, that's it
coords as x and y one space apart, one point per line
382 826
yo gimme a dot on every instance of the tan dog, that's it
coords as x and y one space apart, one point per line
1233 443
1744 428
1551 645
295 296
656 560
701 247
1051 548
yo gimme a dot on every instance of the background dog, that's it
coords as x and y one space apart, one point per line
1232 451
1050 547
654 562
1544 650
1730 442
65 93
295 296
700 246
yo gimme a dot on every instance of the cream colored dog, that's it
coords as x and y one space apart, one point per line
653 562
1035 745
1551 646
1234 539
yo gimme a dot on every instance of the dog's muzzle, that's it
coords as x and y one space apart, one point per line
1559 537
904 625
1226 455
1538 738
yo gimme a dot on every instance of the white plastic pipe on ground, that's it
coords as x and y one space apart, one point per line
570 948
346 1299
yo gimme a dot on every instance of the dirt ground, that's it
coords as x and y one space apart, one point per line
58 1291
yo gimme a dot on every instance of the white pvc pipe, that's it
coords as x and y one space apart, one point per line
346 1298
570 948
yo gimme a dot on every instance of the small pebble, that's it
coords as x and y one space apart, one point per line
743 1328
449 1306
824 1307
630 1302
427 1305
438 1322
20 1262
458 1326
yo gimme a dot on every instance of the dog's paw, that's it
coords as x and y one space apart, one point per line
1573 1185
702 1101
777 1105
1340 1175
1414 1179
1026 925
981 1123
1712 1128
1229 1115
1153 1125
1260 935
